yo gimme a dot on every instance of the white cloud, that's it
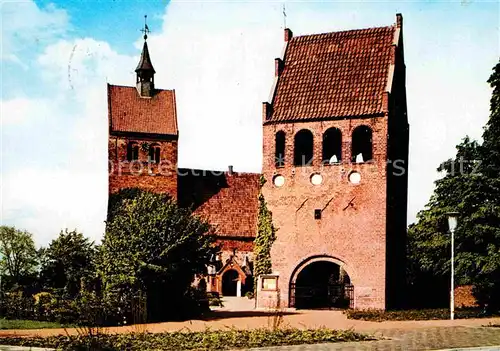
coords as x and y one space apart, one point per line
68 131
22 110
26 27
45 201
81 64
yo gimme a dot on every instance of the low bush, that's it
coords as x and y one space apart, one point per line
415 315
15 305
206 340
84 309
249 295
215 300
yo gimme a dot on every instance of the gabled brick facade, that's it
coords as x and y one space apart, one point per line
340 80
145 122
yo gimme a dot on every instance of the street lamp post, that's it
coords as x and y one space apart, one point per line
452 224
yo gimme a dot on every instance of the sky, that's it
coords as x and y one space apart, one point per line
57 57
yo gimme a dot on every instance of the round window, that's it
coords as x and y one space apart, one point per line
355 177
316 179
279 180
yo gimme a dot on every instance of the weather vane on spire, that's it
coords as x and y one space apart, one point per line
146 28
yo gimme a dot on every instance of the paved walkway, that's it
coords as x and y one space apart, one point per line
419 339
456 338
397 335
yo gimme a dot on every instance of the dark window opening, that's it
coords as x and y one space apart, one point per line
317 214
362 144
332 146
280 149
132 151
154 154
303 148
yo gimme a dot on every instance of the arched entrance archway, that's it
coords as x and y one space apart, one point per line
321 282
230 283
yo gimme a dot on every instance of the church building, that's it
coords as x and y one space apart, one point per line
335 161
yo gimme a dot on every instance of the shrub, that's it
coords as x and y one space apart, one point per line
215 300
205 340
15 305
249 295
423 314
43 301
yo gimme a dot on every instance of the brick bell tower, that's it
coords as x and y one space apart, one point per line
335 153
143 133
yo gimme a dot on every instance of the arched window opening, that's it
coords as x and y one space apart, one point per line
332 146
132 151
154 153
362 144
303 148
280 149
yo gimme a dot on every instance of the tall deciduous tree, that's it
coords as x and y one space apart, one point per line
152 246
18 256
491 135
471 186
68 262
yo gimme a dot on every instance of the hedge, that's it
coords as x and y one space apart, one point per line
205 340
415 315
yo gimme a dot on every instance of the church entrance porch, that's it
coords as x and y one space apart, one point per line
230 279
231 286
321 284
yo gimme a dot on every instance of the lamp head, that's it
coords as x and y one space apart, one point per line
452 220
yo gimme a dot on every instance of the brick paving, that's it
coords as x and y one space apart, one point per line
433 338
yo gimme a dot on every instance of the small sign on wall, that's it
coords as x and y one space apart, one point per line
270 283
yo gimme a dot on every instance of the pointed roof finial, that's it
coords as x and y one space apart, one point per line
145 64
146 28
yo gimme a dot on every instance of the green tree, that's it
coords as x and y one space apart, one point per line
266 235
18 255
152 246
491 140
68 262
471 186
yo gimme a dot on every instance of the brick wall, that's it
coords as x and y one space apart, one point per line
243 245
353 234
160 177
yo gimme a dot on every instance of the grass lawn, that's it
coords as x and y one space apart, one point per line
26 324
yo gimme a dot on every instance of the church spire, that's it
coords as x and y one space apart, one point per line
145 71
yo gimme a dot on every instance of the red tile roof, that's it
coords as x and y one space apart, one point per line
228 201
336 74
128 112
